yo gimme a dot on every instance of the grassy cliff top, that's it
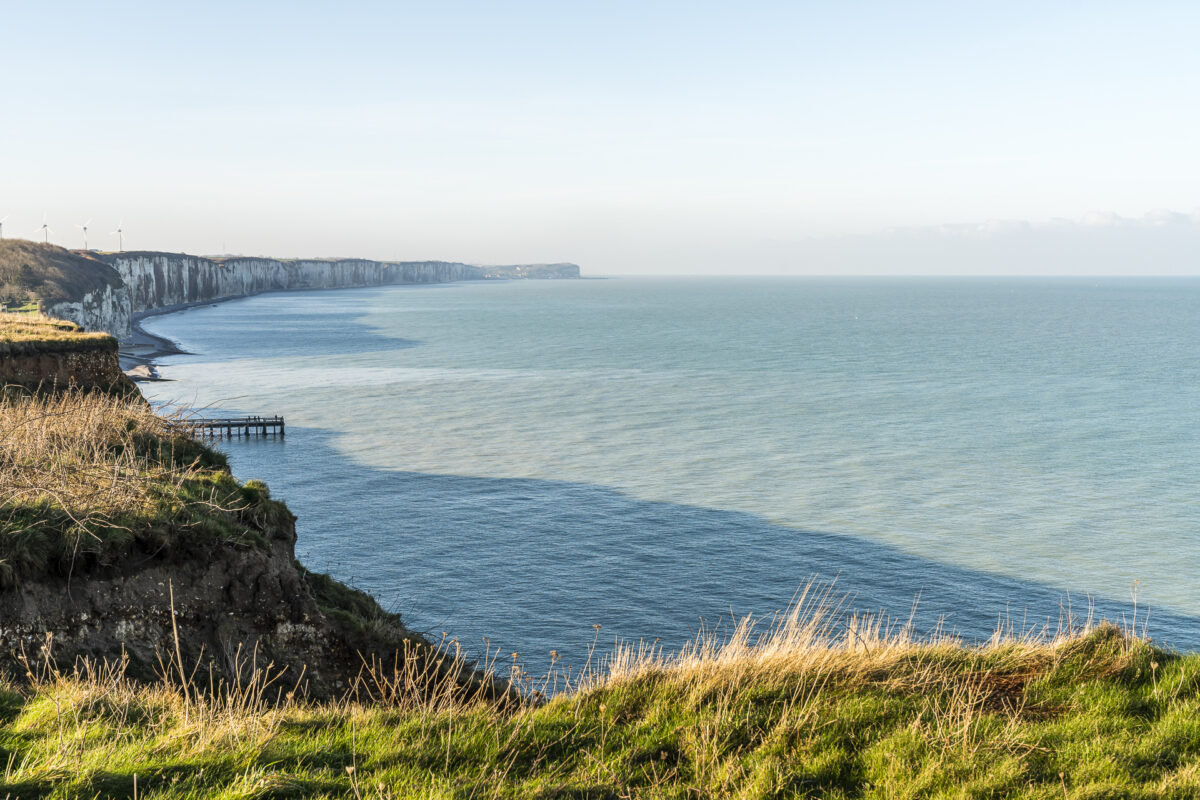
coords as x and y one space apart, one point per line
47 274
28 333
86 478
787 715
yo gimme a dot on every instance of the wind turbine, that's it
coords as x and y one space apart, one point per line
44 230
2 227
120 234
83 228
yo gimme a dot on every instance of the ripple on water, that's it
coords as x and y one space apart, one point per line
525 459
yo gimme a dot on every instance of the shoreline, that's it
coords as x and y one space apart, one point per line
138 357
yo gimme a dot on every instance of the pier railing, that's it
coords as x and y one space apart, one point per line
233 427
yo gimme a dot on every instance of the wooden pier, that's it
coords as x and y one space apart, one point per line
231 427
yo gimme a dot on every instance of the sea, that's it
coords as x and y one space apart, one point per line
532 467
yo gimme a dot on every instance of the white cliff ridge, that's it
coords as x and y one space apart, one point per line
152 281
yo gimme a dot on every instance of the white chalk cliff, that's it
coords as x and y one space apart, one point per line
152 281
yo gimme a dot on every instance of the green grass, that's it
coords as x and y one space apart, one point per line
1094 716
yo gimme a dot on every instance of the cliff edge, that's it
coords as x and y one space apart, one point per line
122 539
41 354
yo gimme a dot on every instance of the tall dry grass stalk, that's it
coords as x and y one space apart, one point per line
88 455
96 695
816 636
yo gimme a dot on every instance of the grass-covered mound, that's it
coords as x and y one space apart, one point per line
30 333
794 713
44 274
86 477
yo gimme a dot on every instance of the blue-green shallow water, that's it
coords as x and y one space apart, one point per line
522 460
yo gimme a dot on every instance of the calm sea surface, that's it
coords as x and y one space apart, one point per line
520 461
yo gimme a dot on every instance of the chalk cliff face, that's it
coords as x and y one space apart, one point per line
157 280
534 271
150 281
107 309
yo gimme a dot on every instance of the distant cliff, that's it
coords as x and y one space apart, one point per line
152 281
534 271
102 291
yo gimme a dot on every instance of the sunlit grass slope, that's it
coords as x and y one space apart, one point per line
27 333
796 712
85 477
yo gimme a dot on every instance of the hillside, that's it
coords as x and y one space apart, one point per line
795 713
46 274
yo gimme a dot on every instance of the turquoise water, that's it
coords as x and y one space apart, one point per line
520 461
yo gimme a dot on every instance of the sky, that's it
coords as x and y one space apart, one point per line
627 137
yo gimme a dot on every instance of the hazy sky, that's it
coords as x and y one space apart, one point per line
634 137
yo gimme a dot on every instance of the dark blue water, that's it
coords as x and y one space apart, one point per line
521 461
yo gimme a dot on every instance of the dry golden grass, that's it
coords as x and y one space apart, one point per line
817 637
31 333
89 473
86 454
799 711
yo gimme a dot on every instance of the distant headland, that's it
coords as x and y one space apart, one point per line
104 291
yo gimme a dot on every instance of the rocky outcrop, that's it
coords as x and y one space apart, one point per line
108 309
150 281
